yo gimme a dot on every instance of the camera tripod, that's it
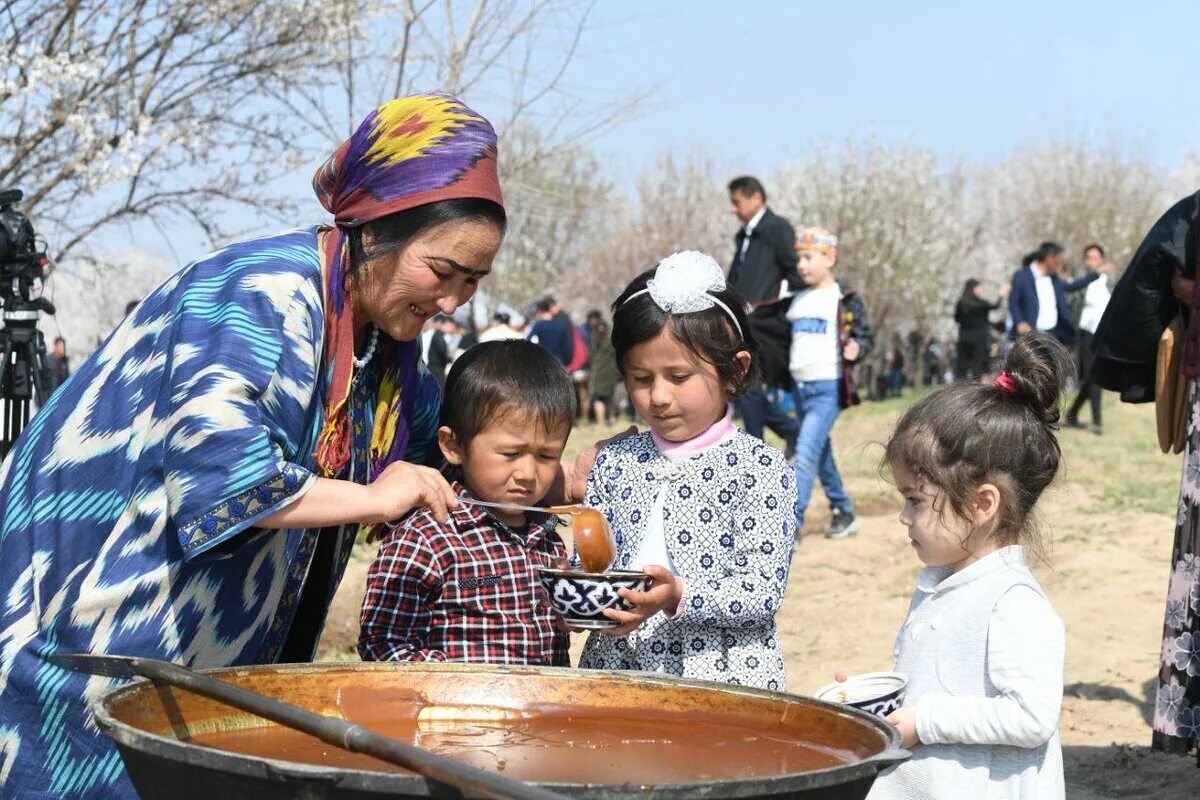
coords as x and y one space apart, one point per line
24 374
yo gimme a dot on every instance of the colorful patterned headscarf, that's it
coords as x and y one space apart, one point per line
817 239
408 152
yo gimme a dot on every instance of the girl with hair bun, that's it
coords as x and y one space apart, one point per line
981 647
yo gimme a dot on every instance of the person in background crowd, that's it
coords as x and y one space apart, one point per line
974 330
604 375
62 369
1095 300
1039 295
447 344
565 318
588 328
826 333
895 379
551 332
501 328
764 264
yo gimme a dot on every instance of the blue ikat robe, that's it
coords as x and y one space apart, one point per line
127 507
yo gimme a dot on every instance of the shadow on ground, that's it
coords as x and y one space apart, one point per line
1103 692
1098 773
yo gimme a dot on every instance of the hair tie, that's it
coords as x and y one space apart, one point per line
1004 383
683 283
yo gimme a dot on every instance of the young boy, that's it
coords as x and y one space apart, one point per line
829 333
467 589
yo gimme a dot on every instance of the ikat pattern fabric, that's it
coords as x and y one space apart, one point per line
127 506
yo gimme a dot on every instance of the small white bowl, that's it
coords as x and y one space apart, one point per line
878 693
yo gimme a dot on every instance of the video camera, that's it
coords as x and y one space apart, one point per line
22 264
24 366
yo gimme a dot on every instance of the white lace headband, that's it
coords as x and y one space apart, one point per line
682 284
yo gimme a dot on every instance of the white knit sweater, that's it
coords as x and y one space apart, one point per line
983 652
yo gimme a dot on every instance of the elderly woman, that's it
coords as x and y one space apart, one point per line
193 492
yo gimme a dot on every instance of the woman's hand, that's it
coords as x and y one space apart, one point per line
1183 289
1005 288
664 594
572 483
905 720
401 487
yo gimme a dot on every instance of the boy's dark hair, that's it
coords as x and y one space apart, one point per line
395 231
747 186
1096 247
709 334
969 434
544 305
501 318
509 376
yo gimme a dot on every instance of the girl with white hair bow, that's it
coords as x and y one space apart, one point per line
704 508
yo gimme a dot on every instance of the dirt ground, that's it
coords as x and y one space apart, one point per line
1110 521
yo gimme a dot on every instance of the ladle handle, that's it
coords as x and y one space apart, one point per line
345 735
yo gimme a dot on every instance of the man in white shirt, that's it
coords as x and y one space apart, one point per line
1038 300
1095 300
501 328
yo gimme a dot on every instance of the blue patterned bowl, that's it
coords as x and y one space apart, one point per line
878 693
582 597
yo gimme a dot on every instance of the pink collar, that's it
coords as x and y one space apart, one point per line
720 431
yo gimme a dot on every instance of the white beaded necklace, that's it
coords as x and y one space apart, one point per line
359 363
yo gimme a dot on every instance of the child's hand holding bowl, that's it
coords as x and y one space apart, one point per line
664 594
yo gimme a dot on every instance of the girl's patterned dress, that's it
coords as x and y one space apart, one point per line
1177 712
729 525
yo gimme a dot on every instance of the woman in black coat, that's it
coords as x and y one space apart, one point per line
974 330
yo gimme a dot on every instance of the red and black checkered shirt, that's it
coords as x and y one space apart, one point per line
466 590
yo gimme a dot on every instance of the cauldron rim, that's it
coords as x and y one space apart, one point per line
169 748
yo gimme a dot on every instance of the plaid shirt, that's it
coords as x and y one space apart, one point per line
466 590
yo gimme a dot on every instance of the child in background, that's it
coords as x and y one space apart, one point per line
981 647
467 589
704 508
829 334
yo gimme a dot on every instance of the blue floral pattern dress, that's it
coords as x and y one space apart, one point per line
729 524
127 507
1177 712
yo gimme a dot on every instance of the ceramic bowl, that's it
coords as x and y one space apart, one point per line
878 693
582 597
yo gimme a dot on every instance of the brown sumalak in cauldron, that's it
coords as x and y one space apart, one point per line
562 728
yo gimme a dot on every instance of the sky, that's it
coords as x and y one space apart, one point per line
759 83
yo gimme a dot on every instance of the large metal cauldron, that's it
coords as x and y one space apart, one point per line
152 727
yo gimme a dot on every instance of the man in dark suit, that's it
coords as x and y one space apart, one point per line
764 256
764 261
1038 298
